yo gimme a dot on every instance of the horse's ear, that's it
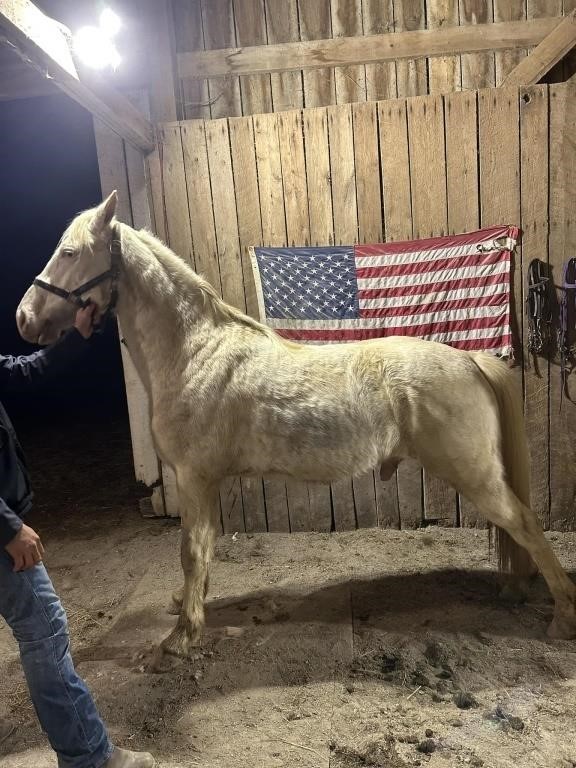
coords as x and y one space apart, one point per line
104 213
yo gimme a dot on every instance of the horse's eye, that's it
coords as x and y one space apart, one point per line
68 252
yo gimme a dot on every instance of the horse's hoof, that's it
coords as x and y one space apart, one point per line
181 642
562 628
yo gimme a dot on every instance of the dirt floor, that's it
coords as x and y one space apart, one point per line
374 648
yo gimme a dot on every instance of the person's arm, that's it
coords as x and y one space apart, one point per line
20 541
10 523
26 371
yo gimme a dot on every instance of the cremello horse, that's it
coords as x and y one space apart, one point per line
228 396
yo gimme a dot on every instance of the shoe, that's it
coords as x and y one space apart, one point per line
123 758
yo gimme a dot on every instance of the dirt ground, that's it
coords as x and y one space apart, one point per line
373 648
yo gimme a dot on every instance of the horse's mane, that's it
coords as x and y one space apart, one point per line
188 281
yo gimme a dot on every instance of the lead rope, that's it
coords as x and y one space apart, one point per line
539 308
567 326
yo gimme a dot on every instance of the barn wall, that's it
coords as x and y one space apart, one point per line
214 24
369 171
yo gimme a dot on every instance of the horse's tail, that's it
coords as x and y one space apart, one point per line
514 446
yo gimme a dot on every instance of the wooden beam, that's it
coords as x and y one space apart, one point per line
43 44
344 51
548 53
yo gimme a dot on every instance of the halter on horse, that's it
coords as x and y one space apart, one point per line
75 296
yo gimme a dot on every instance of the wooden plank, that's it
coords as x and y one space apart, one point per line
218 26
42 43
141 206
249 233
347 22
411 76
224 207
498 116
378 19
395 167
318 176
178 234
562 247
460 111
534 201
290 133
462 162
498 123
295 191
161 49
368 197
18 80
341 143
568 69
429 219
193 97
282 27
247 201
349 51
256 90
506 61
200 205
341 139
315 124
365 122
537 9
478 70
126 176
230 261
267 147
315 23
548 53
444 72
427 166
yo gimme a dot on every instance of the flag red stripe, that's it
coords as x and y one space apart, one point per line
500 299
448 285
420 267
433 243
337 334
476 344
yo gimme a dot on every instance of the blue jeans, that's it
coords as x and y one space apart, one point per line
64 706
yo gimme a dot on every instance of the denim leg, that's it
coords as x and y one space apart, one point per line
62 701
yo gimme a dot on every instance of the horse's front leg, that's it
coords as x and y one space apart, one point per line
199 505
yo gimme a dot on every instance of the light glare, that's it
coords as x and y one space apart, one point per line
110 22
95 49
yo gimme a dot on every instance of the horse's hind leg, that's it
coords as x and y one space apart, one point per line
502 507
198 504
178 597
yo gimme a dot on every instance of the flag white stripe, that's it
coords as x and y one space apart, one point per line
438 295
402 321
413 257
440 276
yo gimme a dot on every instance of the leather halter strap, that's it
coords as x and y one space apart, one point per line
113 274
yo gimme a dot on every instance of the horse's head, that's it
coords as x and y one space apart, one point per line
82 253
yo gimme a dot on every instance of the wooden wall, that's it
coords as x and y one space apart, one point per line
214 24
370 171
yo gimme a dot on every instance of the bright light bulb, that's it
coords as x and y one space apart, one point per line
110 22
95 49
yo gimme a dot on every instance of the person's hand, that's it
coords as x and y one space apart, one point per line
25 549
86 319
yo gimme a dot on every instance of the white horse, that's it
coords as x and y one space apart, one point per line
228 396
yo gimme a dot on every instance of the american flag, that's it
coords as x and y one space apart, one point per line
453 289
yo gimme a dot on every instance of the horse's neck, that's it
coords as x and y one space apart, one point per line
150 312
